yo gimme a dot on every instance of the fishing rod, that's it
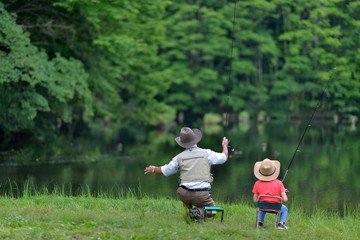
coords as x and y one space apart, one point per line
302 137
230 149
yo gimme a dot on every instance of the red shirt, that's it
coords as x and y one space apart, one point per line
273 188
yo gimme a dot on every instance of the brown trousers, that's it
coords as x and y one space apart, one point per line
198 199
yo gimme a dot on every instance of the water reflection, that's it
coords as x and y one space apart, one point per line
323 174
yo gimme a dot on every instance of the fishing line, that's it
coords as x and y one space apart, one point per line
302 137
230 69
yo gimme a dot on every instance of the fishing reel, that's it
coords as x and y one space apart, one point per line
230 151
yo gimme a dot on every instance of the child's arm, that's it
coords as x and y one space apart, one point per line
284 197
255 198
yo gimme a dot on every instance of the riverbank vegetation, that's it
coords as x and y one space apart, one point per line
79 66
57 216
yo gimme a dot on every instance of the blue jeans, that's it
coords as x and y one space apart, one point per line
283 214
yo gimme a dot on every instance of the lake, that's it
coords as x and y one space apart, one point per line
323 174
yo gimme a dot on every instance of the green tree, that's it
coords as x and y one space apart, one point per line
195 57
312 53
37 93
258 54
113 64
120 46
344 87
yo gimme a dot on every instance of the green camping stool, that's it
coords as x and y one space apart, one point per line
216 209
274 208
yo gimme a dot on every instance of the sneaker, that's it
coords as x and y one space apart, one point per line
260 224
282 226
196 214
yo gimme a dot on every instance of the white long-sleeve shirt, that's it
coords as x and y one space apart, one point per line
214 158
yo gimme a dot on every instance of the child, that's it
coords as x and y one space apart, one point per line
266 172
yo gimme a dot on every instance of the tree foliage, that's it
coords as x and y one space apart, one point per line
35 88
120 56
109 64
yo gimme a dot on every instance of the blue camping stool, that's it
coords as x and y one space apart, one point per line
214 209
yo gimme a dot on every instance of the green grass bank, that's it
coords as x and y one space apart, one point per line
84 217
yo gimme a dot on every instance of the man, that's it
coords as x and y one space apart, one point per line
194 165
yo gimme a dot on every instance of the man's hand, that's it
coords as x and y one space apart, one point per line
225 142
149 169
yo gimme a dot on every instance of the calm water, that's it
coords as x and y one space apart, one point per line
323 175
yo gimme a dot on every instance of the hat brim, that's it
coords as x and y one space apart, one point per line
198 136
271 177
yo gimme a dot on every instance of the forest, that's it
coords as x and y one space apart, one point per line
93 66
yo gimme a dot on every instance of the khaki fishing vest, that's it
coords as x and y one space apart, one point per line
194 166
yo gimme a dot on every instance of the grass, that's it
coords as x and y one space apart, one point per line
57 216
